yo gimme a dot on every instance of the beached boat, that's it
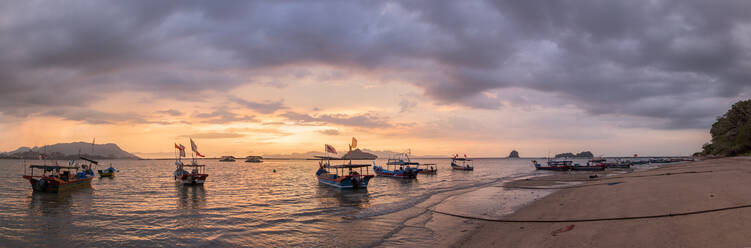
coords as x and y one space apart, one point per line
343 176
591 165
619 164
227 159
464 164
254 159
429 169
197 175
55 178
555 165
399 167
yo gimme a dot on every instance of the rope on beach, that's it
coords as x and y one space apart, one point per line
595 219
663 174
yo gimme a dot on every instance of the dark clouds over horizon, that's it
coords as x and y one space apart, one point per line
680 63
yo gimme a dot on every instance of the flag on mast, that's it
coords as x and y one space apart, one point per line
194 148
330 149
181 148
354 144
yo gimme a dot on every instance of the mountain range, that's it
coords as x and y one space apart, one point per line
71 151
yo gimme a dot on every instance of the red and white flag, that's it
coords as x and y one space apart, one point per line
194 148
330 149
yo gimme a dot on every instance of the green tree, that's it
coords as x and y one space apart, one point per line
731 134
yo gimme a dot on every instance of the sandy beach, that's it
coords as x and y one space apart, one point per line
694 204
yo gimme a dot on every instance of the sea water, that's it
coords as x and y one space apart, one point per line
248 204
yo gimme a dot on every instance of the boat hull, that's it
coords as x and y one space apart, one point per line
106 173
55 185
588 168
193 179
344 182
429 172
553 168
405 174
459 167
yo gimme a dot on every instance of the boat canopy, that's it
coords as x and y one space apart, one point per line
92 161
462 159
350 166
335 158
52 167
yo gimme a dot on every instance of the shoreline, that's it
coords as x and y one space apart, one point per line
694 204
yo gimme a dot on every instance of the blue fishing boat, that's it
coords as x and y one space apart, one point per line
399 167
344 176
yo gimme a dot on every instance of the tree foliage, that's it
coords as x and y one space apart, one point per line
731 134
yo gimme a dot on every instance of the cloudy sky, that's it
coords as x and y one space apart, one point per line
439 77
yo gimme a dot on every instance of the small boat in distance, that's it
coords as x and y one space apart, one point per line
555 165
254 159
197 175
109 172
399 167
465 163
428 169
227 159
55 178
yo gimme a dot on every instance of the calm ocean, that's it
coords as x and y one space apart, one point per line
247 204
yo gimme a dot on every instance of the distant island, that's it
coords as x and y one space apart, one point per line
585 154
513 154
69 151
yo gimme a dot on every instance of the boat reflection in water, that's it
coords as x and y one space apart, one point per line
190 201
333 197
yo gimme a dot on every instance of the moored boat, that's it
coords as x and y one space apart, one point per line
464 164
227 159
429 169
591 165
109 172
399 167
55 178
346 175
254 159
555 165
197 174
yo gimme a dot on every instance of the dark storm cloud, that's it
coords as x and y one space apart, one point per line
679 62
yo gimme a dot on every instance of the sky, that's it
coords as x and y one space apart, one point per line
242 78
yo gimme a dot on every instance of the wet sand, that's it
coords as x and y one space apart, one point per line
671 206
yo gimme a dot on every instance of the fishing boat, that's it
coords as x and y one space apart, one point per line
591 165
197 175
343 176
227 159
109 172
56 178
399 167
254 159
619 164
428 169
465 164
555 165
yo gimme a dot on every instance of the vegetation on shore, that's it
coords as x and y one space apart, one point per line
731 134
584 154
